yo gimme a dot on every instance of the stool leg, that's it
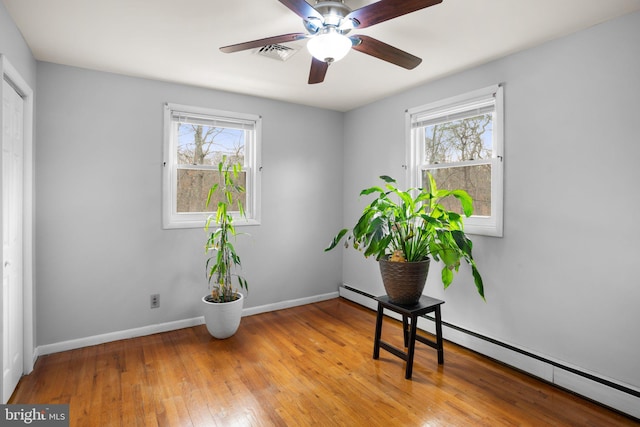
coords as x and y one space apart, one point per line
405 330
412 347
376 340
439 337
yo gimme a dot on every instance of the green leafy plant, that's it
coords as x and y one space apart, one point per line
411 225
224 260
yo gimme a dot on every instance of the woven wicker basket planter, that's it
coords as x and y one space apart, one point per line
404 281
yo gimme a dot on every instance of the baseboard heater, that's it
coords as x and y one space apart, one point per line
593 387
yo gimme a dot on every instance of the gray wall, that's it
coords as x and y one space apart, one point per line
101 251
561 282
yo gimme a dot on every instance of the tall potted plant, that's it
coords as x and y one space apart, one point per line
404 229
223 306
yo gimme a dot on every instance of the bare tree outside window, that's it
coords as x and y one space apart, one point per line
200 148
458 142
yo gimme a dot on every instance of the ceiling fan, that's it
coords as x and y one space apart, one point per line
327 24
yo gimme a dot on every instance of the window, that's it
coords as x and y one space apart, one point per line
459 141
196 139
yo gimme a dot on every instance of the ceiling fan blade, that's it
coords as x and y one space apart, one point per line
301 8
284 38
384 10
318 71
380 50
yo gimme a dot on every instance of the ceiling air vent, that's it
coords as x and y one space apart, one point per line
277 51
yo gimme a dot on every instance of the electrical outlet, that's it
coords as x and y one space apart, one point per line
155 300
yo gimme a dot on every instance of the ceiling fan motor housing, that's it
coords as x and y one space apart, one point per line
333 16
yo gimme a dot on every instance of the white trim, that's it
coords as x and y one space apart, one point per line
288 304
170 326
16 80
455 100
118 335
608 396
542 369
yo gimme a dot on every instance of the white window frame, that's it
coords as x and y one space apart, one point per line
448 108
170 217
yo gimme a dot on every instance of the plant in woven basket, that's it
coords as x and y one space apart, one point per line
411 226
224 260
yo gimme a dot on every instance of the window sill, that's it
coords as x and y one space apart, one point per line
200 223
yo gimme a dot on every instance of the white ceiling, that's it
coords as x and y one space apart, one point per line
178 41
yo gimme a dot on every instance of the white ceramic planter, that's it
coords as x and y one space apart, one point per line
223 319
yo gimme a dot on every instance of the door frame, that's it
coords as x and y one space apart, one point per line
11 75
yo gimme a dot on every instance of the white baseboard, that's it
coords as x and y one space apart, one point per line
608 396
356 297
525 360
168 326
288 304
118 335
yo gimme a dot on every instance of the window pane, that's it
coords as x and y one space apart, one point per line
205 145
193 189
476 180
459 140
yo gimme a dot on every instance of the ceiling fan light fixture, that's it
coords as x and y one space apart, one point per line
329 47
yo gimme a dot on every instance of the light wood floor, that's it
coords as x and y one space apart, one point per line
309 365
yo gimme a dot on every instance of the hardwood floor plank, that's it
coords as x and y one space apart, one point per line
308 365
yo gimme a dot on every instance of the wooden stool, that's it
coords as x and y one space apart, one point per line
424 306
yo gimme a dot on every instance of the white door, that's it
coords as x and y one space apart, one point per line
12 217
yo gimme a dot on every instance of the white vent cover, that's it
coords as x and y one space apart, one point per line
277 51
